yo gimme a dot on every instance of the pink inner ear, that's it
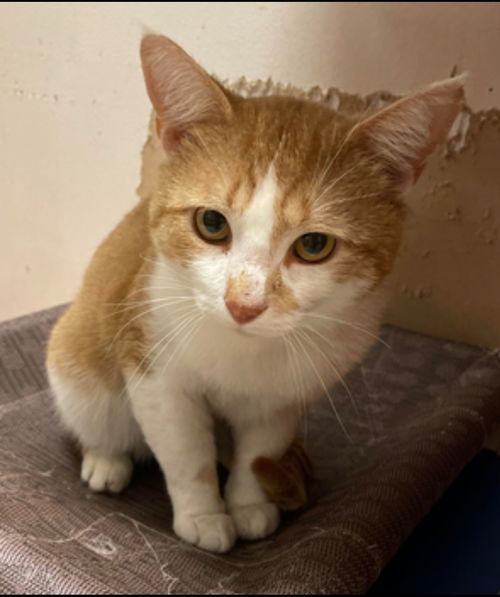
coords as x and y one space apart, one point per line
158 126
170 138
406 132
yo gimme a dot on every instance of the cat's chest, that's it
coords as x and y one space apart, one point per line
252 375
241 365
237 371
241 385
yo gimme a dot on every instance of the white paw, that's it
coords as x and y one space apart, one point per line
256 521
106 473
213 532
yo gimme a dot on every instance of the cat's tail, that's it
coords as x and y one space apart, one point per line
285 481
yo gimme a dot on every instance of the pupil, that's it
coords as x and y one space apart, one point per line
214 221
314 242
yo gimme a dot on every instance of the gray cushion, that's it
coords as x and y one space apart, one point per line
419 412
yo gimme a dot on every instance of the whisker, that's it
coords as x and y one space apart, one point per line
167 340
166 281
186 311
145 290
329 361
289 362
332 185
142 314
300 386
326 208
326 390
131 305
164 302
300 377
147 301
349 324
321 179
184 342
164 277
334 158
152 261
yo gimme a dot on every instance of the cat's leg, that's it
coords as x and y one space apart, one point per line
253 515
102 422
179 429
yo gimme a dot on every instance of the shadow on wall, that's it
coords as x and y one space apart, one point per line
366 46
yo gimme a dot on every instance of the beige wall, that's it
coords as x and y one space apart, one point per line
73 109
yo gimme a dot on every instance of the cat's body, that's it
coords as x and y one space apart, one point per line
201 305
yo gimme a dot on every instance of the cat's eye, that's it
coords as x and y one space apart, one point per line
211 225
314 247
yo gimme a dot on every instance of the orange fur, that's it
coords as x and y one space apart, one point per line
363 211
285 481
236 288
334 174
280 296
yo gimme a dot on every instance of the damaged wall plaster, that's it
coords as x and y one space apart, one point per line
448 273
447 277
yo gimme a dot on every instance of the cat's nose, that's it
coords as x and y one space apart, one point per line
242 313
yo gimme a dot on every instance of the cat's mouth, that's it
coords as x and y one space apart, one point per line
257 329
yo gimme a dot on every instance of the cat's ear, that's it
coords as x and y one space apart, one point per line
407 131
181 92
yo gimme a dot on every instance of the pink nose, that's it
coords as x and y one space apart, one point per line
244 313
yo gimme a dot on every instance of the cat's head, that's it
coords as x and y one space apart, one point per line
269 208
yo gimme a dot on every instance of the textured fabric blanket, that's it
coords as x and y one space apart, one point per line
415 412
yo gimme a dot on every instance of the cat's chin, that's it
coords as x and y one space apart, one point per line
250 331
243 331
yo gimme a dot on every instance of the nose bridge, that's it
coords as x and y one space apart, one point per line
247 285
245 296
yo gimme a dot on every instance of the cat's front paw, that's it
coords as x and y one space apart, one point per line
256 521
106 473
213 532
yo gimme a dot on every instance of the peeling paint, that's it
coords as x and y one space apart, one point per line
458 135
346 102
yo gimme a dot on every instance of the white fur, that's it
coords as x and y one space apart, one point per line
106 473
202 365
256 377
253 229
100 419
250 248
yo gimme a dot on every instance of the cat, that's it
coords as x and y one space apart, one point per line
246 285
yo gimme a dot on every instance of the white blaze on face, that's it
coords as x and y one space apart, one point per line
258 218
252 231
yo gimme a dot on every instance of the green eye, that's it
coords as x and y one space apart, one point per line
211 225
314 246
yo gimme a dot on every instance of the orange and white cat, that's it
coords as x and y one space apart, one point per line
242 289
